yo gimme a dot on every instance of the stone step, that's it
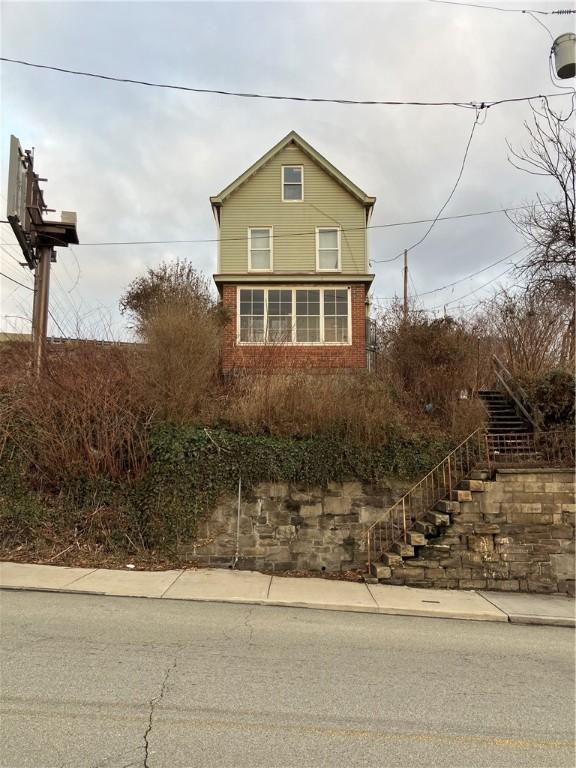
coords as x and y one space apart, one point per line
391 558
428 529
475 486
447 506
416 539
461 496
480 474
437 518
403 550
380 571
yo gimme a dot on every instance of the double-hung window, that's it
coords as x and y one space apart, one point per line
308 315
292 183
328 249
279 325
260 249
336 315
251 315
298 315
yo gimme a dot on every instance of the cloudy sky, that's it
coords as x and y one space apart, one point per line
140 163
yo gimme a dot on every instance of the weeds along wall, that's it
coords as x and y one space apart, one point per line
190 470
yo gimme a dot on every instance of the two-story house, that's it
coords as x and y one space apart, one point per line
293 263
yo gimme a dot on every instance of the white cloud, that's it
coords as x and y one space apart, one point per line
140 163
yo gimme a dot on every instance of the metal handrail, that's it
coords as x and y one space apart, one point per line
442 479
516 392
480 449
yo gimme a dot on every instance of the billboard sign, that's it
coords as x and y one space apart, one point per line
20 176
17 183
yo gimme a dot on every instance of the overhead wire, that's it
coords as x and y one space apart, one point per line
504 10
452 191
475 290
16 281
461 280
481 104
245 238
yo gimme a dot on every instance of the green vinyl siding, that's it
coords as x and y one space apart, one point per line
258 203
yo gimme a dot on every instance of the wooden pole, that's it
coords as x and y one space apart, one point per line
40 310
405 314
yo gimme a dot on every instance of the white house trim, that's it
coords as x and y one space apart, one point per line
294 288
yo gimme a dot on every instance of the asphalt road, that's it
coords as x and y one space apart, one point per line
108 682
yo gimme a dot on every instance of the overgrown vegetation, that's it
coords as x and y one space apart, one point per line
119 450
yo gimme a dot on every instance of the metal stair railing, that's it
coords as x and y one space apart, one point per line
515 391
420 499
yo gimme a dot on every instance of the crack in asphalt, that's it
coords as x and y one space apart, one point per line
248 625
153 702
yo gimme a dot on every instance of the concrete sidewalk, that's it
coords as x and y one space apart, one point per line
224 585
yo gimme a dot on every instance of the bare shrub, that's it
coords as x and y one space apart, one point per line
530 331
174 313
430 365
84 418
180 366
357 407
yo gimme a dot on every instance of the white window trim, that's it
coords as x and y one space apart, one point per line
250 267
294 288
282 183
328 229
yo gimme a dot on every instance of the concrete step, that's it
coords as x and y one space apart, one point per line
403 550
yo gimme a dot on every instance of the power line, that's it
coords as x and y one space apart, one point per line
504 10
465 296
300 234
483 104
456 282
16 281
431 227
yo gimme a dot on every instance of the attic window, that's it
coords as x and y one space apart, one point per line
292 183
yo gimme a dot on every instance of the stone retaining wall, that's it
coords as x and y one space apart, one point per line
517 535
291 527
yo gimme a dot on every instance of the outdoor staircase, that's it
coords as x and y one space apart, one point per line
424 540
508 433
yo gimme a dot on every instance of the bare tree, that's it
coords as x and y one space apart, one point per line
530 331
548 225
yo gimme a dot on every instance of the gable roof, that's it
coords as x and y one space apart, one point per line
294 138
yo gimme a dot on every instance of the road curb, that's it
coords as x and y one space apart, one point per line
528 620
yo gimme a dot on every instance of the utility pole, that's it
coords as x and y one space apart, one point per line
41 306
405 313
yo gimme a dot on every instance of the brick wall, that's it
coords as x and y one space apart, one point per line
286 356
